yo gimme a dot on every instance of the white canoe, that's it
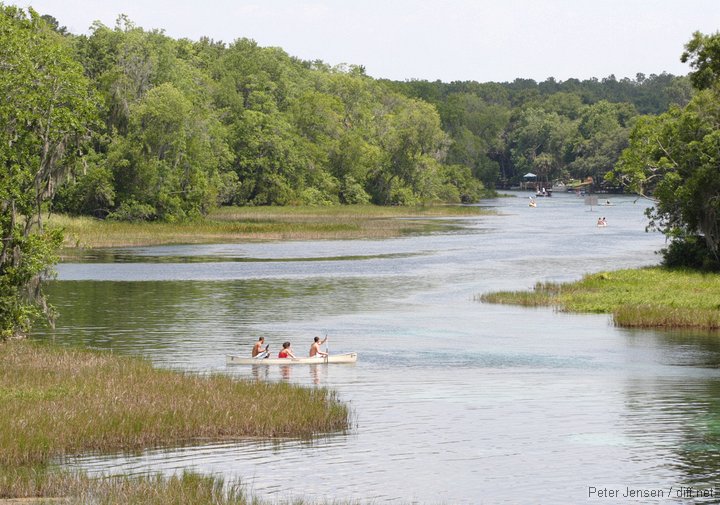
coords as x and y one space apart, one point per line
350 357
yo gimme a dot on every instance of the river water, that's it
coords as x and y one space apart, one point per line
453 400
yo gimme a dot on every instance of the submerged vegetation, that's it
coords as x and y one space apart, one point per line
60 402
233 224
647 298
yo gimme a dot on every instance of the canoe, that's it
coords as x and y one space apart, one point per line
350 357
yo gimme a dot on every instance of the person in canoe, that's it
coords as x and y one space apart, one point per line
286 351
315 347
258 351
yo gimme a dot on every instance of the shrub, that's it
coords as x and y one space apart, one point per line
689 252
132 210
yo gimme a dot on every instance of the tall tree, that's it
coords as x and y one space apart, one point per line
44 115
703 53
603 131
539 143
171 158
675 158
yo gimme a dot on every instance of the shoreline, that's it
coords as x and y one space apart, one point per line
63 401
650 297
243 224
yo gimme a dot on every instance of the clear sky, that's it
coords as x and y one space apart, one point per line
481 40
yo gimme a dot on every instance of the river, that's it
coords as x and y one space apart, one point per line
453 400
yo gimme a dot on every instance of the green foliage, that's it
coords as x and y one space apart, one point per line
603 131
539 143
703 53
191 125
92 192
45 111
675 157
649 297
21 300
690 252
133 211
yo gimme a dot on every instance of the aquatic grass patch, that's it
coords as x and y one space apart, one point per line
40 485
187 488
523 298
70 488
59 401
653 316
235 224
648 297
88 232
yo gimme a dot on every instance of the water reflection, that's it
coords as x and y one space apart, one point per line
454 401
317 373
260 372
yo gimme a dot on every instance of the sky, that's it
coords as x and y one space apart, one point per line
447 40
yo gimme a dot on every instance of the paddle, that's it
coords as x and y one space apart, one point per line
264 354
327 348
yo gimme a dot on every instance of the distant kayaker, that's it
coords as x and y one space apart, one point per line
286 351
258 351
315 347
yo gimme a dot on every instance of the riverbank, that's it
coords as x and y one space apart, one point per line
235 224
61 402
642 298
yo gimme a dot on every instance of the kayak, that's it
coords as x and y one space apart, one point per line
350 357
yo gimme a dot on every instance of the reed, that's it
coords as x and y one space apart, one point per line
51 487
68 488
235 224
59 401
648 297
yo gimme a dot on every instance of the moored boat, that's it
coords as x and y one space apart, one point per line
350 357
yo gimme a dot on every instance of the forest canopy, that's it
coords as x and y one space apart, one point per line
189 125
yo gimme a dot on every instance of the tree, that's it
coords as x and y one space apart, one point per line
539 142
674 159
413 143
475 127
171 158
603 131
703 53
44 114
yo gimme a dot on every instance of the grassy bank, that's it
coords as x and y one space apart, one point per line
57 488
644 298
57 402
234 224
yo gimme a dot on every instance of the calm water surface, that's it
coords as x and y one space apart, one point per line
453 401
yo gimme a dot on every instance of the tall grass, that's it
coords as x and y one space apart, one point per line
648 297
58 401
188 488
234 224
77 488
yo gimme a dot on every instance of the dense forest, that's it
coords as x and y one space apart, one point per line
182 126
131 124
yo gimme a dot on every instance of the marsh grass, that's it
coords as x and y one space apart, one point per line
58 401
61 487
66 488
235 224
647 297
